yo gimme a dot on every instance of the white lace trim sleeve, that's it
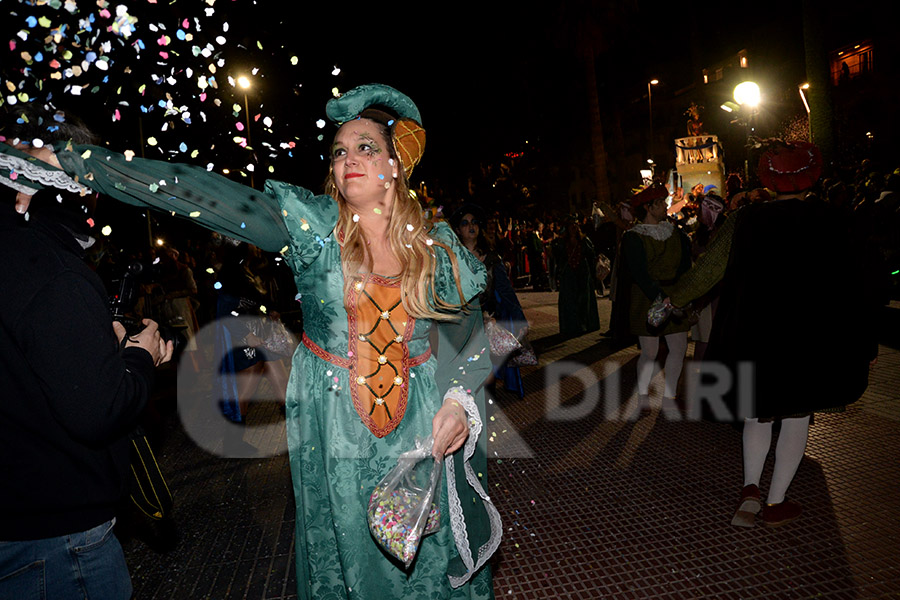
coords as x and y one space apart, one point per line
34 172
457 520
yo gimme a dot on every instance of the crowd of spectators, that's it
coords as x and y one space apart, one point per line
531 248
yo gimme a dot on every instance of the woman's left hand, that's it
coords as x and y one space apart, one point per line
449 428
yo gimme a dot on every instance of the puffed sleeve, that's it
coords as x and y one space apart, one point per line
309 219
709 268
206 198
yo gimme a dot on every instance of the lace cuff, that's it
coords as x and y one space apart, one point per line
457 519
35 173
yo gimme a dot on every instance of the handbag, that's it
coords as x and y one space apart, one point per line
149 490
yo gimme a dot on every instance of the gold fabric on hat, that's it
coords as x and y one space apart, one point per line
409 138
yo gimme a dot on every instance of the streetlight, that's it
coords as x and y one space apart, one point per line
245 84
652 82
747 94
801 87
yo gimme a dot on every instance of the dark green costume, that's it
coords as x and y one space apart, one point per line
577 302
655 256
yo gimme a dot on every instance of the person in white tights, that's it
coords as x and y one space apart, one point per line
789 450
672 367
656 253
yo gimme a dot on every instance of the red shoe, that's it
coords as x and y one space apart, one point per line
775 515
745 516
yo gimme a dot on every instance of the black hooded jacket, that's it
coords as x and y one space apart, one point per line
68 396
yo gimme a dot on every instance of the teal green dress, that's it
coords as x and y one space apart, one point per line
336 461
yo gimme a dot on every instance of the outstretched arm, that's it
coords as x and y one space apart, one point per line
207 198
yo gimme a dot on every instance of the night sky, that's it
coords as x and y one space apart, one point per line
487 76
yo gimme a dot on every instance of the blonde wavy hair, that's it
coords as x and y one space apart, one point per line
412 246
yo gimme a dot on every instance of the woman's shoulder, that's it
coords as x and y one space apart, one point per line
442 232
303 209
472 273
286 192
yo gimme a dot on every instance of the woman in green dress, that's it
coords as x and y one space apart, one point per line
576 267
374 278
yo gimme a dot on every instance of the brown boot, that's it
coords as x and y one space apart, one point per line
775 515
745 516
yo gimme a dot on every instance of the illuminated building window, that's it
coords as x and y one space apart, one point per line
851 62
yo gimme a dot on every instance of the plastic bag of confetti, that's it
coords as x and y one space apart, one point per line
405 505
660 311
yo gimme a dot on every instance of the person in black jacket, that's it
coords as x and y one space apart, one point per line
72 384
772 335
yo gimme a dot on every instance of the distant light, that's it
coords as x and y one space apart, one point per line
646 173
244 82
650 161
726 108
654 81
747 93
159 241
805 86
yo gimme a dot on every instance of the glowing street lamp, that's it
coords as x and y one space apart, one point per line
746 94
801 87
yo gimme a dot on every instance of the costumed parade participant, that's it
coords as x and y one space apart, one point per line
656 254
576 268
498 300
374 279
771 327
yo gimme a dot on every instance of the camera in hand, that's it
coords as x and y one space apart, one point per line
122 301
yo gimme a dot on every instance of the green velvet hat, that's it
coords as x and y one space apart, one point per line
406 129
350 104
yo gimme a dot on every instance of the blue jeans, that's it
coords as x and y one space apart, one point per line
89 565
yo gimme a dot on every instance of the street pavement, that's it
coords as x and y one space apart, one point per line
597 501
